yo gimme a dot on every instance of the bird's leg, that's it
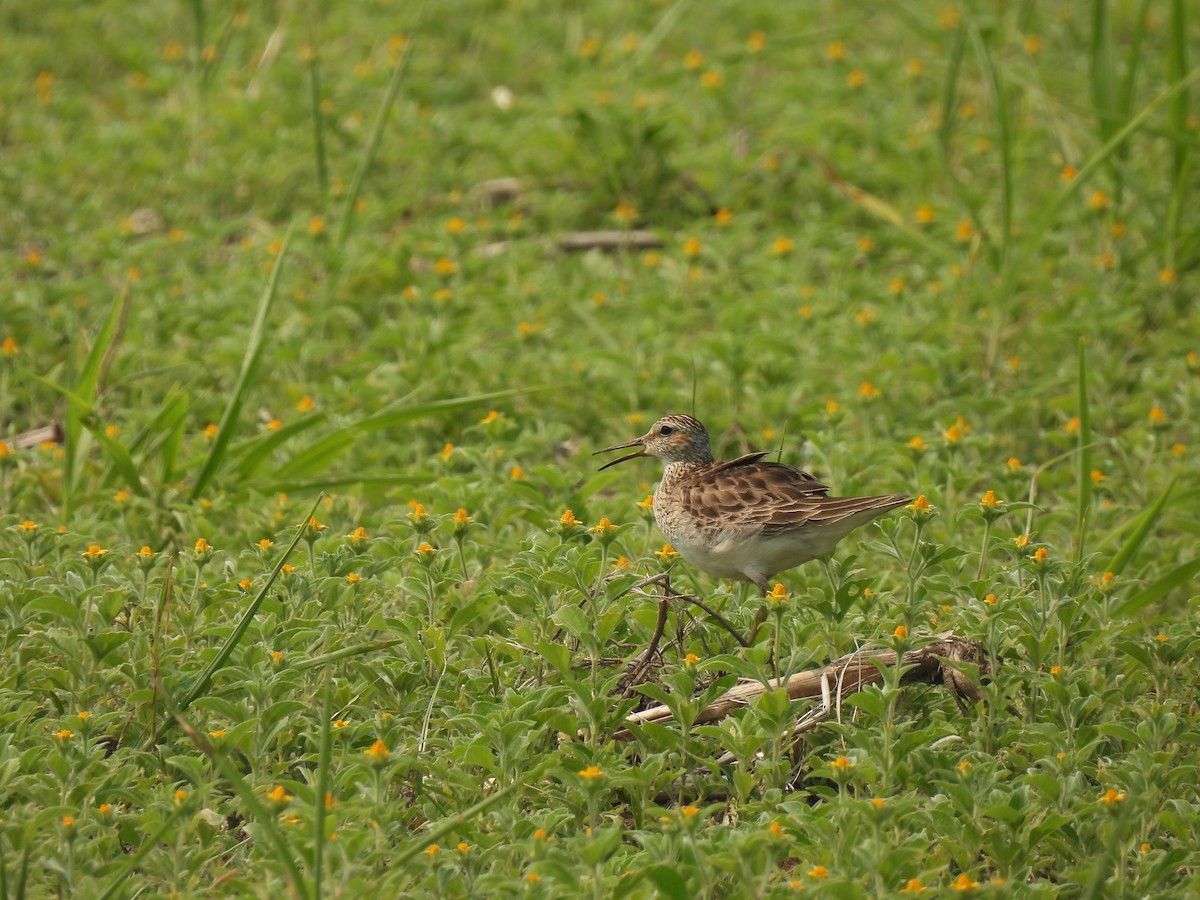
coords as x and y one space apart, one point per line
664 605
761 615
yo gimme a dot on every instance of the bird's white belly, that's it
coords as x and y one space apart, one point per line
753 557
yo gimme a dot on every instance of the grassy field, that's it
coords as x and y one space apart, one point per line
322 575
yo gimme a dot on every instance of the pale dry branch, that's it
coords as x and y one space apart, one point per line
932 663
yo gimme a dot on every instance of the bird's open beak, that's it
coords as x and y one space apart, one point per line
636 442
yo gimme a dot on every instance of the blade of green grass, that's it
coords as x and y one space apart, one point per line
950 93
1042 227
367 157
991 71
324 778
246 377
1134 542
314 94
119 455
1177 116
316 662
255 451
1178 576
1083 480
202 681
316 457
82 398
265 818
1102 70
153 842
435 834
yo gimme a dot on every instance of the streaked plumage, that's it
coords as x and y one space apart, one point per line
744 518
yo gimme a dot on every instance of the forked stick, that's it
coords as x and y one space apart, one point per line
929 664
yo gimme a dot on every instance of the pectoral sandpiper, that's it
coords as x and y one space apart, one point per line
745 518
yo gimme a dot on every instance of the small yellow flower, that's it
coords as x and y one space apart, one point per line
948 17
625 213
277 656
667 552
900 632
64 734
917 444
835 51
217 734
818 872
921 505
913 886
1112 796
924 214
1157 415
963 766
540 835
722 216
963 882
647 503
832 407
210 430
1055 671
1040 555
316 225
202 546
463 847
963 231
777 594
68 821
691 659
28 527
1071 426
94 552
104 809
378 751
990 599
445 266
353 578
842 764
914 67
856 79
1099 200
1166 276
878 802
426 552
274 425
516 473
457 225
278 795
689 812
1021 541
180 795
691 247
245 584
865 316
432 850
589 47
492 416
989 501
868 390
1098 476
1033 44
693 59
568 520
533 877
446 452
712 79
1014 464
776 829
756 41
783 245
591 773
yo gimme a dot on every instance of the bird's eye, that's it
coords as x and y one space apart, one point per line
665 430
